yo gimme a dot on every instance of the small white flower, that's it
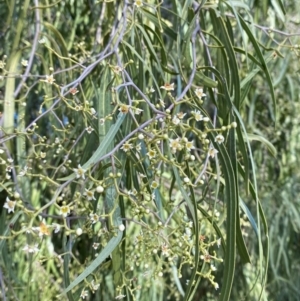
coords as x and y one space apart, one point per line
138 3
127 146
197 115
124 108
154 185
24 63
141 136
130 192
137 111
56 227
64 211
216 285
165 250
94 218
84 294
138 148
219 139
1 151
78 107
162 103
89 195
206 257
168 87
93 111
175 145
43 229
117 69
189 145
9 205
151 154
188 232
89 129
42 41
73 91
176 120
10 160
94 286
180 115
31 249
119 297
199 93
95 245
213 268
79 172
50 79
212 152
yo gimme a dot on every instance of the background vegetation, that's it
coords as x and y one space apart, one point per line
149 150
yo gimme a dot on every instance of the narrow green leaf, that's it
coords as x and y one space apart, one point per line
111 245
190 291
133 50
101 150
231 207
279 9
66 277
266 250
268 144
233 157
249 216
6 229
261 59
234 79
160 23
158 38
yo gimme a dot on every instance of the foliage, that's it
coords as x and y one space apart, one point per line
137 142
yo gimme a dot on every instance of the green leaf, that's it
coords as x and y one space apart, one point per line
67 257
99 154
160 24
234 79
231 208
111 245
268 144
249 216
261 59
279 9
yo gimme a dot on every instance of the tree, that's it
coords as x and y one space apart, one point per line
127 161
